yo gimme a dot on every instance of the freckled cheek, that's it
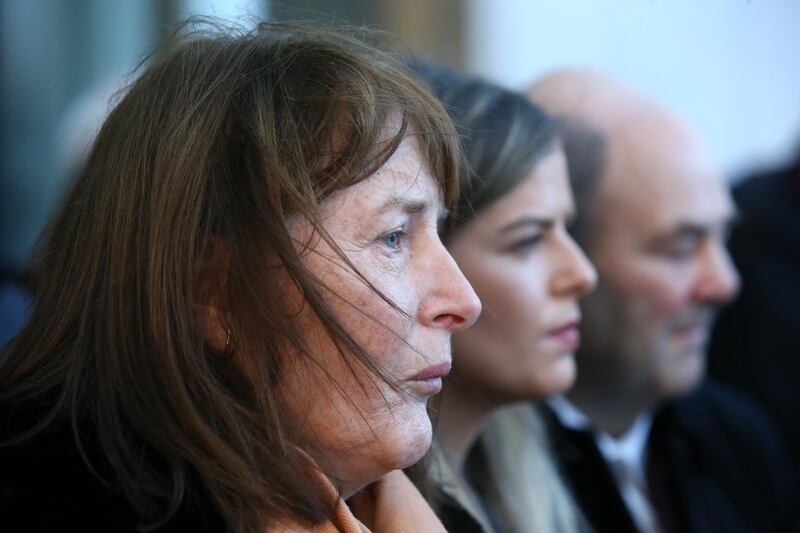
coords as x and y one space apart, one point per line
374 323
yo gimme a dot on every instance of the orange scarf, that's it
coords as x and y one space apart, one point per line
390 505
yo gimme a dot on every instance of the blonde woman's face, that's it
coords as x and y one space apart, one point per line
529 274
358 426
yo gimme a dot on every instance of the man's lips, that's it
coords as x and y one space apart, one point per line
696 332
694 326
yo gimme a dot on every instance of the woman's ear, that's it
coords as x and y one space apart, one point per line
214 328
212 319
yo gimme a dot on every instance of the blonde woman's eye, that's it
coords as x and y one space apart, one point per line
526 244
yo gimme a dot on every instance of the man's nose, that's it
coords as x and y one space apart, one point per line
719 280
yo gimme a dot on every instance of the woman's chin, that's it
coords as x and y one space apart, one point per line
407 440
562 375
557 378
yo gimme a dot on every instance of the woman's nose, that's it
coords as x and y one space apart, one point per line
575 276
450 302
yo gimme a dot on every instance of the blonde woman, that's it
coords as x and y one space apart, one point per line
509 235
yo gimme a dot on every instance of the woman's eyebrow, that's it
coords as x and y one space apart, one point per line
411 204
543 223
405 204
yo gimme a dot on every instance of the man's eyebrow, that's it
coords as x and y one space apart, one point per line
682 230
524 222
699 229
691 229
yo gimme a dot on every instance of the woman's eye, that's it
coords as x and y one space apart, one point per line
526 244
394 240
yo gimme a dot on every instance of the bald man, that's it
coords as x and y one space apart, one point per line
644 448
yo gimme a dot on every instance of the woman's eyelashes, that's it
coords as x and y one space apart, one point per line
394 241
526 234
526 243
415 228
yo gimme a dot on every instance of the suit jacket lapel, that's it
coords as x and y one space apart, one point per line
685 487
591 480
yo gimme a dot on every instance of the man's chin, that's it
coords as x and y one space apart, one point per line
684 374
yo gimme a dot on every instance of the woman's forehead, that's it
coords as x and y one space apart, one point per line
402 185
402 181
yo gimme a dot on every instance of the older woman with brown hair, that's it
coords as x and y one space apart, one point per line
243 306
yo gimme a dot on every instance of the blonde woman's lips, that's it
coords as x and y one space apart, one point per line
568 334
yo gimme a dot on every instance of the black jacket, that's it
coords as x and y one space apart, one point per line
46 486
756 341
455 518
716 464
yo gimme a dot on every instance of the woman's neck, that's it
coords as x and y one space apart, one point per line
464 411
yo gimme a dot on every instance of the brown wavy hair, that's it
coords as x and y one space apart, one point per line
224 135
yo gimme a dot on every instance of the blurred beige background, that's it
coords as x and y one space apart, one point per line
732 66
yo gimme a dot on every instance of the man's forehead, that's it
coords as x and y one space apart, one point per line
655 159
652 211
661 202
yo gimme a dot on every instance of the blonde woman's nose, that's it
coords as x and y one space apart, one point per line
575 275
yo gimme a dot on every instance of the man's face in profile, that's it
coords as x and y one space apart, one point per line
658 246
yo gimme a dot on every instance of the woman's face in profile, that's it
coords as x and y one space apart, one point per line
359 426
529 274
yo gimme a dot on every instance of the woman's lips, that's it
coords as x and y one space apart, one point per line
569 334
435 371
429 380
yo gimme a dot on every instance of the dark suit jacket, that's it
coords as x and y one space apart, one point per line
455 518
756 341
715 463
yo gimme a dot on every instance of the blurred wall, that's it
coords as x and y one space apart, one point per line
60 63
431 28
51 53
733 66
